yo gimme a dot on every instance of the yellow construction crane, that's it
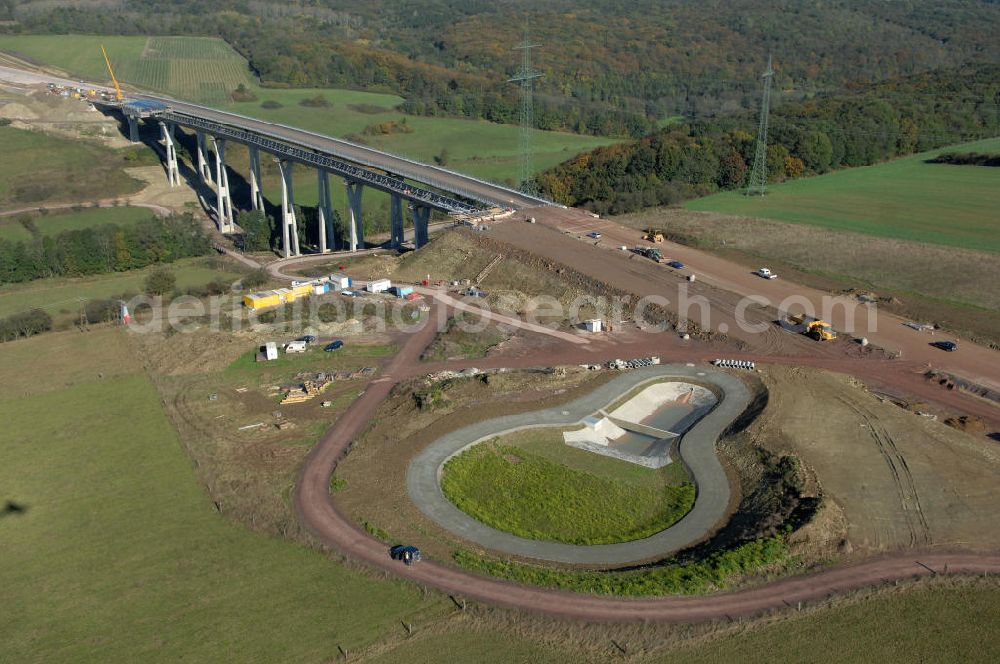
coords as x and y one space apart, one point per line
118 90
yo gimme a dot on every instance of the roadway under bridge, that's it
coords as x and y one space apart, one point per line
412 185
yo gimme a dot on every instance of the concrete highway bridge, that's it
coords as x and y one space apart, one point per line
411 184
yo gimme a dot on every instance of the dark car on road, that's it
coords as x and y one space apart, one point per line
949 346
677 265
333 345
307 338
407 554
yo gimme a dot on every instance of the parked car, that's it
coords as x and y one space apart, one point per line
594 234
308 338
405 553
765 273
677 265
333 345
949 346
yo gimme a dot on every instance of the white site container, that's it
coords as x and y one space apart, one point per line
593 325
379 286
271 350
340 281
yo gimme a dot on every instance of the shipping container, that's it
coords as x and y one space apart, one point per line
271 350
379 286
340 281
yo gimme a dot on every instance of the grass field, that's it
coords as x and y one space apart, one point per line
944 625
202 69
206 70
71 220
532 485
61 295
118 555
907 199
37 168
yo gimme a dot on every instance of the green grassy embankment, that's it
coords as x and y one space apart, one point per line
532 485
37 168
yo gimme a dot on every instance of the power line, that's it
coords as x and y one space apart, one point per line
758 176
526 77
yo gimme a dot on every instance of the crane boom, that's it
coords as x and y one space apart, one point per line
118 91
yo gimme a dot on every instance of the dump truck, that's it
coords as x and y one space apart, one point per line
813 328
653 235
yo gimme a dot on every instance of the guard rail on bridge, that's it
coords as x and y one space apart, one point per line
316 159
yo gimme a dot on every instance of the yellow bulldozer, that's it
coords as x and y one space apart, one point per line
653 235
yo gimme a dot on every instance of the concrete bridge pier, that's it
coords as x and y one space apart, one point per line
289 231
204 170
173 172
133 128
355 223
421 219
324 210
224 203
396 233
256 188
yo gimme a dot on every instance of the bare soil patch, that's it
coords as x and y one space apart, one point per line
900 480
949 286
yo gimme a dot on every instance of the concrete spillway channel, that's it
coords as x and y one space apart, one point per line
697 452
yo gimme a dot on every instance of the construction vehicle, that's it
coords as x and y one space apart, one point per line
650 252
813 328
653 235
820 331
119 97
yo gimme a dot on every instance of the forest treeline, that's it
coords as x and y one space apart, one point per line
608 67
102 249
887 120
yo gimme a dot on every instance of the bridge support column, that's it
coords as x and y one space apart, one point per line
173 172
324 210
256 188
224 203
396 236
355 223
421 217
133 128
204 170
289 231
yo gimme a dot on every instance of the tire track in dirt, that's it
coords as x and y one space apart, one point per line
899 469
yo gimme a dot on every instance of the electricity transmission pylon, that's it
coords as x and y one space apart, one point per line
758 176
526 77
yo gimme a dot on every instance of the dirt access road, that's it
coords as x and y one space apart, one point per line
723 283
329 526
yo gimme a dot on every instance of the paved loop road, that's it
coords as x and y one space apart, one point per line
333 529
697 450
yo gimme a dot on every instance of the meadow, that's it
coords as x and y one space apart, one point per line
206 70
905 199
55 222
113 552
60 296
38 168
520 484
202 69
946 624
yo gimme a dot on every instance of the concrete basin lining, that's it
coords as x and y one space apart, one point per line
697 452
